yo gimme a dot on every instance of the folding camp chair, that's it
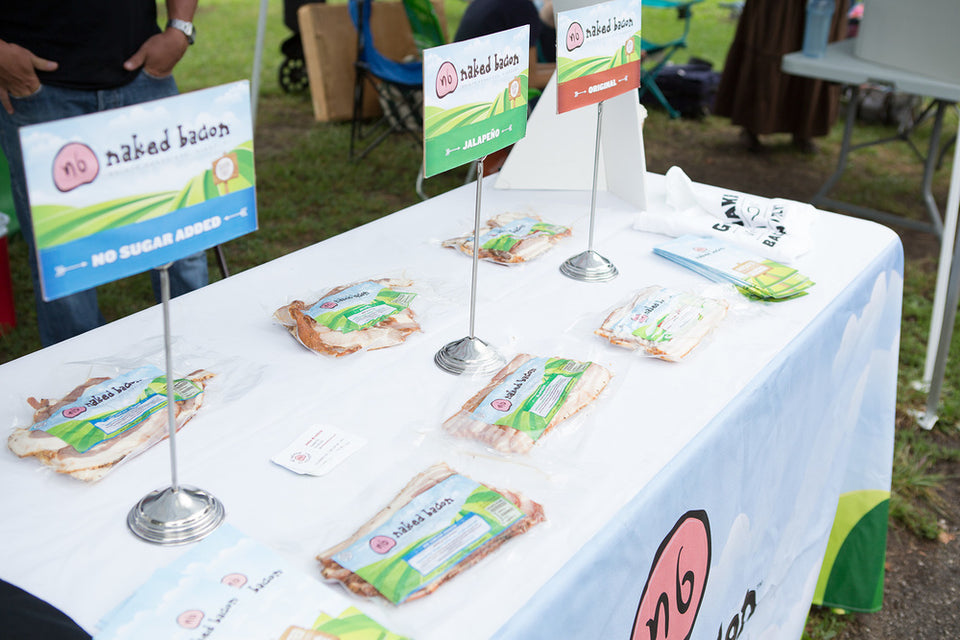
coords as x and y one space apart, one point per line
656 55
399 87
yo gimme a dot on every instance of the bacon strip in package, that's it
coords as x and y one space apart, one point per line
372 314
526 399
664 323
511 238
438 526
106 420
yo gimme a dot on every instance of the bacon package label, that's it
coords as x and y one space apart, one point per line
107 420
360 306
108 409
529 398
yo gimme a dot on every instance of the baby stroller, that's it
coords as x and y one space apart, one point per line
292 74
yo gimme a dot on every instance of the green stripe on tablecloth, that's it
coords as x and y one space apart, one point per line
853 567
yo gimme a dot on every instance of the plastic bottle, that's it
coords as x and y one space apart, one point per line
817 29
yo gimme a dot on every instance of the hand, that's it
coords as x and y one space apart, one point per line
18 72
159 54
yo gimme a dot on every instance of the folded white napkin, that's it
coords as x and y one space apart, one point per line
775 228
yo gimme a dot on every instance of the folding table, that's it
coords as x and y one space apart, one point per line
774 437
840 64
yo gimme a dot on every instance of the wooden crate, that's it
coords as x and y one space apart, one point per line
330 50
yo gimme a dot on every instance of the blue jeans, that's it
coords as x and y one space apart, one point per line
71 315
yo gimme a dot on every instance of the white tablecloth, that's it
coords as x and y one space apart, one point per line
786 407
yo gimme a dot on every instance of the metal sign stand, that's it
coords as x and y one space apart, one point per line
177 514
590 266
471 354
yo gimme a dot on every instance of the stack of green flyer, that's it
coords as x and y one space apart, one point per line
755 276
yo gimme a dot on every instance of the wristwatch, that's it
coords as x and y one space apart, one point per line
186 27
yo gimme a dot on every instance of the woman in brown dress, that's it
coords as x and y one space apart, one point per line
756 95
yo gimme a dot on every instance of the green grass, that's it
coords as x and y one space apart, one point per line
711 31
824 624
915 500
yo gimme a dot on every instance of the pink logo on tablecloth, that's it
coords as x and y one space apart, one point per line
74 165
574 36
446 79
678 577
190 619
234 580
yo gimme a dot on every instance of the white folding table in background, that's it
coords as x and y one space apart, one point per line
840 64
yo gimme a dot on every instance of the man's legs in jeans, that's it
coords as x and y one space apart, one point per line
71 315
68 316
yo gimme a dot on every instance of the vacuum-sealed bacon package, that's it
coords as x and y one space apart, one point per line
511 238
372 314
106 420
438 526
662 322
527 399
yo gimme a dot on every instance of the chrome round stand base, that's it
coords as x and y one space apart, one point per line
589 266
468 355
178 516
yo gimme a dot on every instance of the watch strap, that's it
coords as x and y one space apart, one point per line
185 27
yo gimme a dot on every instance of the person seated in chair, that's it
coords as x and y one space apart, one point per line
486 17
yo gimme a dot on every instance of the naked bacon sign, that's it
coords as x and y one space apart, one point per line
598 53
477 101
118 192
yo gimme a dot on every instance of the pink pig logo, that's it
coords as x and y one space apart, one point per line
446 79
74 165
234 580
190 619
73 412
574 36
382 544
501 404
674 591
